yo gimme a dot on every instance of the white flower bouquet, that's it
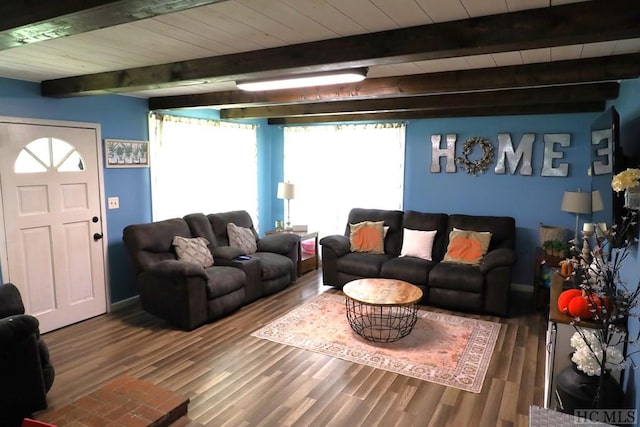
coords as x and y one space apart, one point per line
589 350
629 178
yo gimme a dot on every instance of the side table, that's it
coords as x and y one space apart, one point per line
540 292
307 261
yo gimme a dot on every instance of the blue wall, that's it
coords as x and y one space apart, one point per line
530 199
119 117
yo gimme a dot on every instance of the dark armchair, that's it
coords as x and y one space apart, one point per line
184 293
26 373
270 269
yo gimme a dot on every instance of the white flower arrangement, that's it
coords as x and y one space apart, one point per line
625 180
588 354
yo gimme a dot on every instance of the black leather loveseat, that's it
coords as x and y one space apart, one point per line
190 292
482 288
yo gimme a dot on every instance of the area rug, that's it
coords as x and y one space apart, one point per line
442 348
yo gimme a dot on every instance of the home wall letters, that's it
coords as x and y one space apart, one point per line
519 159
511 157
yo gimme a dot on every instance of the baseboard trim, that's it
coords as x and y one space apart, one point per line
125 303
522 287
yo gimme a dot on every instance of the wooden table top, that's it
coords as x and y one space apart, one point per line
382 292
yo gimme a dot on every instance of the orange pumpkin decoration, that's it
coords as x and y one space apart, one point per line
565 297
579 307
575 303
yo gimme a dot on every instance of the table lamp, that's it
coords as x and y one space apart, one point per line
576 202
287 191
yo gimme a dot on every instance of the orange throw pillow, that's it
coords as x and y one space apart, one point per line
367 236
467 247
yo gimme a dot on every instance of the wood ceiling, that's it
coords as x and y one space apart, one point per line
426 58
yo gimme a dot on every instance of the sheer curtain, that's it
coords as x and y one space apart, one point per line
336 168
202 166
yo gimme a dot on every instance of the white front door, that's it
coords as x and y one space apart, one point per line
52 217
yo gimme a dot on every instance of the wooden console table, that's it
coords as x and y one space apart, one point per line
559 332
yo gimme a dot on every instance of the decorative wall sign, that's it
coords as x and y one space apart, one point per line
121 153
513 158
449 153
597 137
476 167
550 139
509 157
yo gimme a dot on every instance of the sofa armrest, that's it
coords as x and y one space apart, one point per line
337 243
178 298
176 269
280 243
16 328
226 253
497 258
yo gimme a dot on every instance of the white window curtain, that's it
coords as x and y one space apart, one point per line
337 168
203 166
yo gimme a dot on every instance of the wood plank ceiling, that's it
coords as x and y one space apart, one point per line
425 58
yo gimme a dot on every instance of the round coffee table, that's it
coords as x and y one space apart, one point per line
381 310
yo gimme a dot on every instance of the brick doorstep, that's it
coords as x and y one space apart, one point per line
124 402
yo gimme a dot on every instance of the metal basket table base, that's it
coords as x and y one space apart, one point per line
381 324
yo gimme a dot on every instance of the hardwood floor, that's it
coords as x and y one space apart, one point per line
234 379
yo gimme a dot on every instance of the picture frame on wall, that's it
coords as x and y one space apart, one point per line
124 153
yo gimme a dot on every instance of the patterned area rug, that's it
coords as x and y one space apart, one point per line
444 349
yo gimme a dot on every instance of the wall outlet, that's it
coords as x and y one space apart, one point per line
114 202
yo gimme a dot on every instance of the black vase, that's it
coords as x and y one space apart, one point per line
577 390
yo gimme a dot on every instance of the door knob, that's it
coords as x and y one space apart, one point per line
97 236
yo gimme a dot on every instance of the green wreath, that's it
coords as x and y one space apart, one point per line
476 167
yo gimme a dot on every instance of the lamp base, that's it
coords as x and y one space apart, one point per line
586 249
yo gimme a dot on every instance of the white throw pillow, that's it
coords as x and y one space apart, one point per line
418 243
193 250
242 237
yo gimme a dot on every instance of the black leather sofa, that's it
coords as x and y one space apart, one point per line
482 289
26 373
187 294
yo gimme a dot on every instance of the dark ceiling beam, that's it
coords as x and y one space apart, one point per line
607 68
27 21
559 108
544 95
585 22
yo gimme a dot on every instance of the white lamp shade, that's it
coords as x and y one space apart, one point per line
286 190
596 201
576 202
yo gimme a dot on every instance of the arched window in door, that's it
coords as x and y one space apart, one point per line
45 154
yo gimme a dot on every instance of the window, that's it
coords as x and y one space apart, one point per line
203 166
44 154
337 168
